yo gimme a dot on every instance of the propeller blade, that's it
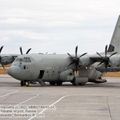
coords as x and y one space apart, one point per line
106 47
28 50
71 63
82 55
69 55
99 54
76 50
0 59
21 51
1 49
100 63
113 54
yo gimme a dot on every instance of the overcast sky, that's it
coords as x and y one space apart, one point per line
57 25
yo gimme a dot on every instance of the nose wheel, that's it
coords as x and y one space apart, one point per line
24 83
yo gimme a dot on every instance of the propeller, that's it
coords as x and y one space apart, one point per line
21 51
105 59
1 48
75 59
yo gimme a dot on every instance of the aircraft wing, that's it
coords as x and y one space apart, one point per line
95 58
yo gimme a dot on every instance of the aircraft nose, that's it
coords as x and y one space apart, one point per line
15 72
12 71
18 73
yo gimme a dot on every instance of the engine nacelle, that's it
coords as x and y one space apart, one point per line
67 75
94 74
85 60
115 60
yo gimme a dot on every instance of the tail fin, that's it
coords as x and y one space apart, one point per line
115 41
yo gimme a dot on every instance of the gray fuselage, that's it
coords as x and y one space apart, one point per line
48 67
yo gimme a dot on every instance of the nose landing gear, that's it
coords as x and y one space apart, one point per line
24 83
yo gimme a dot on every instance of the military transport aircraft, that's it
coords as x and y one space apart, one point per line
59 68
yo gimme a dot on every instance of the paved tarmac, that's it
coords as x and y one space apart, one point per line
67 102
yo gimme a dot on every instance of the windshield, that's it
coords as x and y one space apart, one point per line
25 59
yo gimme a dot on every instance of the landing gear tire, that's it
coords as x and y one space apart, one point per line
42 83
82 84
73 83
59 83
23 83
52 83
28 83
78 84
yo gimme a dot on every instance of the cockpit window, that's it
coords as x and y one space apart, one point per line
19 59
25 59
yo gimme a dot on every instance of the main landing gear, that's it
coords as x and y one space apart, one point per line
58 83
